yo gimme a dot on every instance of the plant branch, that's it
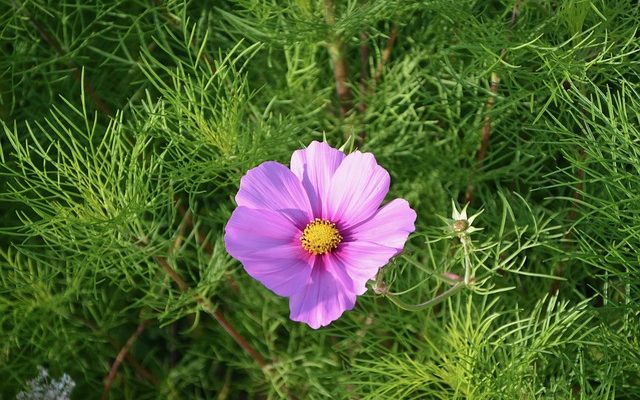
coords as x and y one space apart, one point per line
429 303
139 368
124 351
381 288
188 221
486 133
365 89
201 238
340 69
489 104
558 271
362 84
386 54
77 71
210 309
121 356
178 23
468 268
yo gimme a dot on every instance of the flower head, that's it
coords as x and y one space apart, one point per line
315 233
459 224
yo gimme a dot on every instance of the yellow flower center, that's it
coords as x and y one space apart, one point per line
320 236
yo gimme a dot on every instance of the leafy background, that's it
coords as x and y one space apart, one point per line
126 126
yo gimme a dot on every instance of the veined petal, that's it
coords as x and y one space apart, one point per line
284 272
362 260
326 296
357 189
390 226
267 244
273 186
315 166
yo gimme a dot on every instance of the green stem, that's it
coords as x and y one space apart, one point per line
436 300
467 259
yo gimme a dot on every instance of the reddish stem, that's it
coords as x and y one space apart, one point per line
386 54
120 358
364 68
340 69
486 126
202 239
77 74
214 312
486 133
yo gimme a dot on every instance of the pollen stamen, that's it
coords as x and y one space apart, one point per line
320 236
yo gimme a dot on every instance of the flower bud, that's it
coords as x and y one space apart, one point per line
460 225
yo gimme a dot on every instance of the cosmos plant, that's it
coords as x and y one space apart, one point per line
316 233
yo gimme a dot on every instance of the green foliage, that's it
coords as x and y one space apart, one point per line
126 126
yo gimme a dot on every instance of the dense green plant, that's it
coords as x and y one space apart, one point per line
126 126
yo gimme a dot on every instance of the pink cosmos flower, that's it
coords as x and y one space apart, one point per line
315 233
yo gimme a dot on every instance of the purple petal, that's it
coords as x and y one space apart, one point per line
273 186
324 298
357 189
390 226
268 246
362 260
315 166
